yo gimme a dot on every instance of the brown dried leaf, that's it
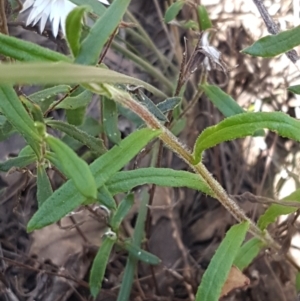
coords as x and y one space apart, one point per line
236 279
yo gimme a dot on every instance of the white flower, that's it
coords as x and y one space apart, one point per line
56 10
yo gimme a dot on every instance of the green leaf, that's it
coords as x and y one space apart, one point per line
74 167
165 106
100 263
121 212
19 162
140 254
273 45
92 45
105 198
46 96
6 129
179 126
173 10
247 252
110 120
44 188
169 104
294 89
220 265
242 125
225 103
91 126
53 159
276 210
63 73
34 110
98 7
74 27
94 144
138 236
16 114
204 20
76 117
28 52
126 180
26 151
75 102
66 198
148 103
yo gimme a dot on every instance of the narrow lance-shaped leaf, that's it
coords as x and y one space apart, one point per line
19 162
224 102
294 89
74 27
44 94
98 7
105 198
126 180
95 144
16 114
6 129
149 104
75 102
140 254
44 188
173 10
242 125
169 104
204 20
33 109
220 265
247 252
92 45
74 167
66 198
76 117
26 156
275 210
100 263
110 120
27 51
63 73
121 212
138 235
273 45
26 151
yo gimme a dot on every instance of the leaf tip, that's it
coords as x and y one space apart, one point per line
94 291
30 227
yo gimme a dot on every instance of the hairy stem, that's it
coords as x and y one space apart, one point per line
217 190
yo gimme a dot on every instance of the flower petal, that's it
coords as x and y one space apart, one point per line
54 10
26 5
104 2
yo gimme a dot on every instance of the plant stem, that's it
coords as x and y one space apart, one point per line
3 21
173 143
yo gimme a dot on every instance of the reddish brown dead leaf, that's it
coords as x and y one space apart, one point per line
236 279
